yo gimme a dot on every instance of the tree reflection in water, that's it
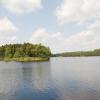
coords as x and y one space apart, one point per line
36 83
59 79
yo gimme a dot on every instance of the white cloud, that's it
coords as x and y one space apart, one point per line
54 40
78 10
7 26
12 38
22 6
7 31
85 40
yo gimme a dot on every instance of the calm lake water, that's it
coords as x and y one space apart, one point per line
59 79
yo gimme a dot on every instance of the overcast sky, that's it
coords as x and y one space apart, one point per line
63 25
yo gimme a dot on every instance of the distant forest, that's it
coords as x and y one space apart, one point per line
24 50
95 52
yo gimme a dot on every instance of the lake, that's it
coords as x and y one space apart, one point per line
71 78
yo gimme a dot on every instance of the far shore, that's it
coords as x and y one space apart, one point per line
26 59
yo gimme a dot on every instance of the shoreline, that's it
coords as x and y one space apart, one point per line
26 59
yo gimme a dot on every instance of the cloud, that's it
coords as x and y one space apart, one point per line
22 6
78 10
84 40
54 40
7 26
7 31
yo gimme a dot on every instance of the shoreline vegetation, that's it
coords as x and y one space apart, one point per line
26 52
95 52
26 59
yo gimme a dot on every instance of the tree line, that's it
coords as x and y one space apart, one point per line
95 52
24 50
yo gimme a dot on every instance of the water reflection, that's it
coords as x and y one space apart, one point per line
78 79
35 84
9 78
59 79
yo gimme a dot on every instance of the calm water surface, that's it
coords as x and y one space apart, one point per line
60 79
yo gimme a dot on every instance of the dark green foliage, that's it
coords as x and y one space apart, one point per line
1 52
24 50
79 53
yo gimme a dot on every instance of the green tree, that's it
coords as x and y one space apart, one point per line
8 52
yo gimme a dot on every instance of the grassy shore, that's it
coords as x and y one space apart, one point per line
26 59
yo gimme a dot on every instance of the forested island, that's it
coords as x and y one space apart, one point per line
24 52
95 52
36 52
